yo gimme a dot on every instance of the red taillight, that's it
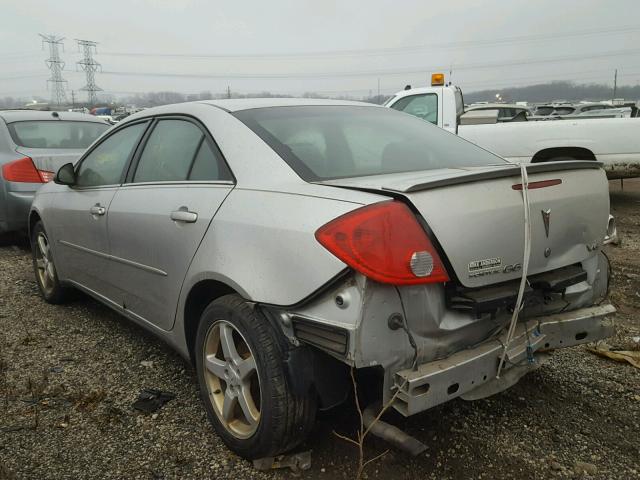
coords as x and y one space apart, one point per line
385 243
23 170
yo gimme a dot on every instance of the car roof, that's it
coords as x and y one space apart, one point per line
10 116
234 105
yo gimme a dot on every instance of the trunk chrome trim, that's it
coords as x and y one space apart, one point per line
131 263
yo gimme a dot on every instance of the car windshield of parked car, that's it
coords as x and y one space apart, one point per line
328 142
55 133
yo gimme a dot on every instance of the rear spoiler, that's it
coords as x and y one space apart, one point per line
508 171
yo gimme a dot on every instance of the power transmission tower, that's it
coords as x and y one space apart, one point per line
90 66
56 65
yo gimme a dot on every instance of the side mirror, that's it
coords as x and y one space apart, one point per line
66 175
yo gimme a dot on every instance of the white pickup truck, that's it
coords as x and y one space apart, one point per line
613 141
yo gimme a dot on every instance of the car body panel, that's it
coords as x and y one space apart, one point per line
50 160
82 241
151 252
281 225
491 210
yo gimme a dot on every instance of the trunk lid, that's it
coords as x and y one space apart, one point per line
50 160
477 216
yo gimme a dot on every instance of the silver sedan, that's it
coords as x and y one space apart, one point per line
278 244
33 145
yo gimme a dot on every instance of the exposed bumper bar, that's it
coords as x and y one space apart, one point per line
465 371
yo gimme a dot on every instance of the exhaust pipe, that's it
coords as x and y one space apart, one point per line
391 434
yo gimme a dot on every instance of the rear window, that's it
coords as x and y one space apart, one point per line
328 142
55 133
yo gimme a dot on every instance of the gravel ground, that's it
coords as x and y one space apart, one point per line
69 374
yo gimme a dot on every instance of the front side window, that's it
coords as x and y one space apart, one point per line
54 134
327 142
104 165
421 106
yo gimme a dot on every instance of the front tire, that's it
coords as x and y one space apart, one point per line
243 383
44 267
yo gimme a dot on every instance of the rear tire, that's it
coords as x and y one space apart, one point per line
243 383
44 267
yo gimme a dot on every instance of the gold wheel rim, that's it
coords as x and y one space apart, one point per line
44 263
232 381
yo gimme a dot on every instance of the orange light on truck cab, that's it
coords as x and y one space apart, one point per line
437 79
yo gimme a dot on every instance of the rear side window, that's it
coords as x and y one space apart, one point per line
421 106
177 150
169 152
54 134
104 165
206 165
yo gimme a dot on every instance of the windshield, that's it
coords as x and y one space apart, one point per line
55 133
327 142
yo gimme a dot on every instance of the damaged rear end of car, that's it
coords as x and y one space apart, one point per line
434 274
461 271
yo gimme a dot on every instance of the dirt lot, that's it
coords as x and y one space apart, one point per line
69 374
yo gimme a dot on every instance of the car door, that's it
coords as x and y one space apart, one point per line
81 211
159 215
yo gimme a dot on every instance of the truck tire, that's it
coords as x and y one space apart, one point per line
243 383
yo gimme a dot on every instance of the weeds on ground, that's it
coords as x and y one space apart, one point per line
362 433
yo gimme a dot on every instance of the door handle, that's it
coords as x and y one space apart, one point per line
97 209
183 215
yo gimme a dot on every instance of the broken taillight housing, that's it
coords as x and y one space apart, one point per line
384 242
24 171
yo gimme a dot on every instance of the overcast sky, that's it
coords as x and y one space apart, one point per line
325 46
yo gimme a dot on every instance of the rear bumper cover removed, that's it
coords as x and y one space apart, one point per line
471 373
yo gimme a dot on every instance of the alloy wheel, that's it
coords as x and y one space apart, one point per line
232 379
44 263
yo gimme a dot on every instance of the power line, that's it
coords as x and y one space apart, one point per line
56 65
393 50
395 71
24 75
90 66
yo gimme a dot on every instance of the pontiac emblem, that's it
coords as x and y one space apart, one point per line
545 218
